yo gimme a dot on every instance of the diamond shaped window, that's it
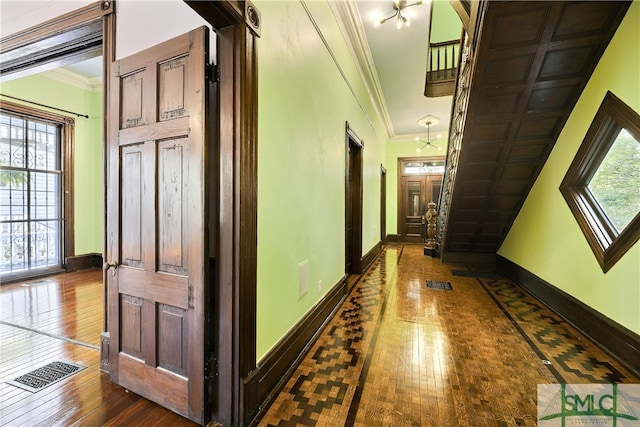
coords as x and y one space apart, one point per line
602 185
616 183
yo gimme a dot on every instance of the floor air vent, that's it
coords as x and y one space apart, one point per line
43 377
434 284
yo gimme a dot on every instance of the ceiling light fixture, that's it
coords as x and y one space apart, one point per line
398 6
429 141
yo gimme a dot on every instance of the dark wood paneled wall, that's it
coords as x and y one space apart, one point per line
81 262
530 64
369 257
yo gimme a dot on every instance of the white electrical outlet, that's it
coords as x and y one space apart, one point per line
320 286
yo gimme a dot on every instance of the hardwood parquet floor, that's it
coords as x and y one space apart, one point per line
401 354
397 353
60 318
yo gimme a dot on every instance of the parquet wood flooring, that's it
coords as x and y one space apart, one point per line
61 318
397 353
400 354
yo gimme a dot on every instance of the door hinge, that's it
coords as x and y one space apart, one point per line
213 73
211 368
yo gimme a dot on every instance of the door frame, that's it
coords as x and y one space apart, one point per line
21 42
353 201
383 204
237 25
400 190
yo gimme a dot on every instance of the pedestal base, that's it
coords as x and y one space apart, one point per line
432 252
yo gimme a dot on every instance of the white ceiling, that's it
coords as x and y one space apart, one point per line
91 68
400 59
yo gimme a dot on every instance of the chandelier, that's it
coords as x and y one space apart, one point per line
429 141
398 6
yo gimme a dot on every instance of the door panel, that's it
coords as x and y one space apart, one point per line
353 203
156 226
414 194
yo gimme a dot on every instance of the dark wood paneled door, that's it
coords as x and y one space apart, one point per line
419 182
413 193
353 203
156 224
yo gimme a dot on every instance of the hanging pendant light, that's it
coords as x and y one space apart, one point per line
428 121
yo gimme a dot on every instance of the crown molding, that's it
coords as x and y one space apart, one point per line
348 19
73 79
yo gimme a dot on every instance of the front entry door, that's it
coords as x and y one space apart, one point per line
419 182
414 193
156 232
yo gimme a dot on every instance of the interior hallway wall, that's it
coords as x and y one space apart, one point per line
545 238
309 87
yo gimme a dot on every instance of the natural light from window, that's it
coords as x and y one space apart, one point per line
616 183
602 184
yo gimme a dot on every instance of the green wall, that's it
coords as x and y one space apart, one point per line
305 98
88 173
545 238
446 24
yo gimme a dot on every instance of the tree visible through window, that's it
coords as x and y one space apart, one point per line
616 183
602 185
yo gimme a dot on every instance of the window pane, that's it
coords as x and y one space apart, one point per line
12 142
413 199
30 194
616 183
45 197
424 167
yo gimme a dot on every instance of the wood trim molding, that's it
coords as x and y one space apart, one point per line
57 25
606 242
68 38
82 262
369 257
350 24
354 147
67 150
108 56
279 364
475 258
393 238
620 342
237 27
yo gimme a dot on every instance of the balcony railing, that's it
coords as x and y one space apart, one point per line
441 68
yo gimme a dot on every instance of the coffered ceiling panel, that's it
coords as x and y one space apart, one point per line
531 62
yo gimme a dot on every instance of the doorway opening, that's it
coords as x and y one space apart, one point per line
419 182
353 202
52 115
383 204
